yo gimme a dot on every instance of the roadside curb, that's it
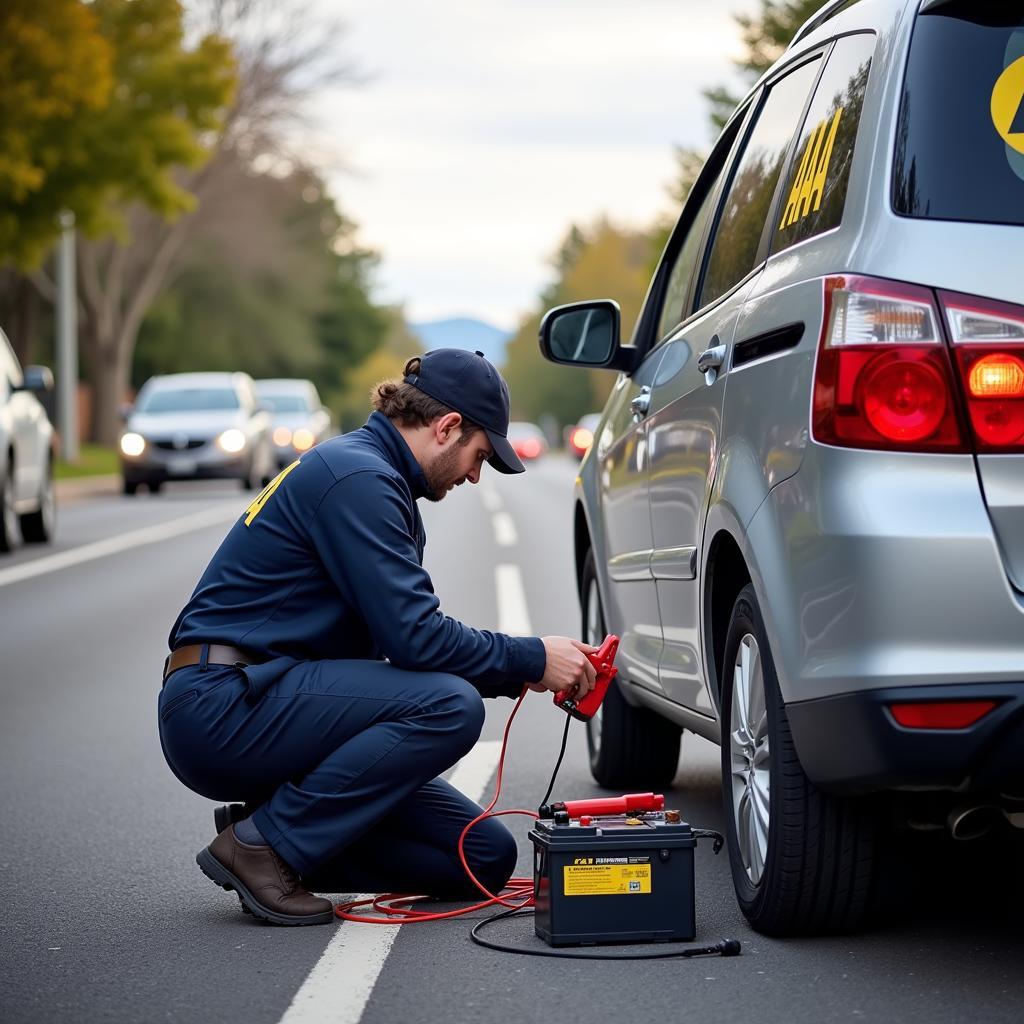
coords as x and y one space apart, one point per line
87 486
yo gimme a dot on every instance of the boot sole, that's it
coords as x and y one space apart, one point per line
228 880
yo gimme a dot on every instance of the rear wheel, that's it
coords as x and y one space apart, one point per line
9 532
629 747
801 860
38 527
129 487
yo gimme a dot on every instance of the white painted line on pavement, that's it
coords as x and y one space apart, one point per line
491 499
504 530
115 545
513 617
342 980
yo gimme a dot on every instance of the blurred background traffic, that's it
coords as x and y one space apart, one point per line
173 202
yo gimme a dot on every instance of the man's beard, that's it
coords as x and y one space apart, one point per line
442 473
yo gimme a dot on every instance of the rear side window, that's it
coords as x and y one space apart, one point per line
815 193
749 199
960 136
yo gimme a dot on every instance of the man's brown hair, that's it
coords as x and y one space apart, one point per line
412 407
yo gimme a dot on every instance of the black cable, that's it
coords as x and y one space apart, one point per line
558 763
727 947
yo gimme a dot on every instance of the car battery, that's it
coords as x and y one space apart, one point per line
615 878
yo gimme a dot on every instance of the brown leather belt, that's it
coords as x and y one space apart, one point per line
219 654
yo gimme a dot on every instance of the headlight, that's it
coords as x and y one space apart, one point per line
282 436
302 439
132 444
231 441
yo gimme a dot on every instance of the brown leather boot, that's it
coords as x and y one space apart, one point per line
268 887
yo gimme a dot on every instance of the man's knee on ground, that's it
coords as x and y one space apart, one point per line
494 860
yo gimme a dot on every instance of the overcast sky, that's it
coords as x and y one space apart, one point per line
486 127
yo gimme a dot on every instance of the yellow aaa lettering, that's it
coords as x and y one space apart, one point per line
809 183
264 496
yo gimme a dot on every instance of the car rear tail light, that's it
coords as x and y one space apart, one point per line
883 378
581 439
941 714
988 343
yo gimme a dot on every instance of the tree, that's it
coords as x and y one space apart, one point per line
56 72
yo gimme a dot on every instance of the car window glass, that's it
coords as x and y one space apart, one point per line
960 137
815 192
286 403
749 198
189 400
678 287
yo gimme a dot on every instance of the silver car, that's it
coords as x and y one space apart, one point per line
196 426
297 416
803 511
27 507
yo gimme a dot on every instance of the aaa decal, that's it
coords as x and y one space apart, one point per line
1007 105
809 184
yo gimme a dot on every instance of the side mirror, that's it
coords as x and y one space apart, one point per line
586 334
38 379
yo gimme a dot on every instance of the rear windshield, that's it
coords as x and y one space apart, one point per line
960 138
189 400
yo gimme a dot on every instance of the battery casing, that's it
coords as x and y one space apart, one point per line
614 879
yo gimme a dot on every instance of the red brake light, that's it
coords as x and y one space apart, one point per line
944 714
581 438
988 342
883 379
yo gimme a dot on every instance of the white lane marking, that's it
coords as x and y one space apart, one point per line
491 499
513 617
342 980
504 530
115 545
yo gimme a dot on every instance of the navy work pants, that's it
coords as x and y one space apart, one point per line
341 758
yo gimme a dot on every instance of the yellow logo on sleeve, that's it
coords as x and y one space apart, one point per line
809 184
264 496
1007 105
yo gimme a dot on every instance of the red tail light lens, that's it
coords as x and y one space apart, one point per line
988 342
883 378
945 714
581 439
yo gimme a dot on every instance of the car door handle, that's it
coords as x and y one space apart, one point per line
641 403
711 358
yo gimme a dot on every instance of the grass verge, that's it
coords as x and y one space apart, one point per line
93 460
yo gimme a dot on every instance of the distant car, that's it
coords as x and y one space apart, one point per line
195 426
580 437
527 439
27 507
298 417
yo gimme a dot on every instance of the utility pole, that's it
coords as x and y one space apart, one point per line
67 340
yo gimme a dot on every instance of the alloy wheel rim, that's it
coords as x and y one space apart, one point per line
595 634
749 758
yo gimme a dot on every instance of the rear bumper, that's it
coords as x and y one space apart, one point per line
851 743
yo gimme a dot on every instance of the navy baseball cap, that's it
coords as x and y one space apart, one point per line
469 384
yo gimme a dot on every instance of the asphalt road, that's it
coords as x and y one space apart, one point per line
105 916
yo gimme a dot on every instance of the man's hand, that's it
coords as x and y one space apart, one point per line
567 667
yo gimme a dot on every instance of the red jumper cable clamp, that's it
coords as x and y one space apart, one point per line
586 707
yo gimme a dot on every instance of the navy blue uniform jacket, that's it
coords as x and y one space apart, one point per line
326 563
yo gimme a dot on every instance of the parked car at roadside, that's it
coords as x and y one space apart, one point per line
298 419
196 426
580 437
28 509
803 511
527 439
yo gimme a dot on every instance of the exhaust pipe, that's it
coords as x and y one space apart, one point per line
972 822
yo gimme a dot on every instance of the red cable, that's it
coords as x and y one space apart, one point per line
395 908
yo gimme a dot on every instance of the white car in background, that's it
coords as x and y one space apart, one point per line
27 506
299 419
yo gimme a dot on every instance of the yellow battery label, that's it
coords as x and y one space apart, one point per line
606 879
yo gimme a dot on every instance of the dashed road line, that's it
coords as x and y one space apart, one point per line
342 980
504 530
513 617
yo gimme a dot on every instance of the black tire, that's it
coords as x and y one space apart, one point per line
10 534
39 527
630 748
129 487
812 874
155 486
